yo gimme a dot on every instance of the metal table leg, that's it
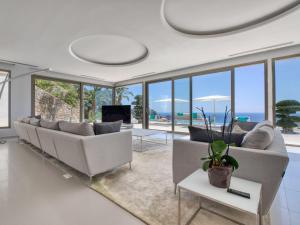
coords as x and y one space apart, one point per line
179 207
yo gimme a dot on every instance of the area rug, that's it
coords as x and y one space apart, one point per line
147 192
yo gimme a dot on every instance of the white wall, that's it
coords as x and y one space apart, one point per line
21 92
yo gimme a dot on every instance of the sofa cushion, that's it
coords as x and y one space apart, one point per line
36 116
34 121
25 120
53 125
259 137
107 127
200 134
84 129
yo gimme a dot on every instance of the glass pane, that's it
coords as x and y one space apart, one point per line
212 92
103 97
57 100
4 100
182 104
94 98
287 80
132 95
250 93
160 105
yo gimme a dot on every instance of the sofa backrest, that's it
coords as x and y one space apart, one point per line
66 147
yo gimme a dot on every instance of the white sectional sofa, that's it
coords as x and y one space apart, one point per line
90 155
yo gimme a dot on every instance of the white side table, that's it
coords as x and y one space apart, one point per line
198 184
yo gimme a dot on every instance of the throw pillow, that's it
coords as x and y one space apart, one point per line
35 122
84 129
263 123
107 127
53 125
259 138
200 134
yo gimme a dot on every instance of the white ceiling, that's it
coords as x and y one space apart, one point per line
39 32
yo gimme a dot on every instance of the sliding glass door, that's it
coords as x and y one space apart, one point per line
132 95
249 87
212 92
94 97
181 104
175 104
160 105
287 98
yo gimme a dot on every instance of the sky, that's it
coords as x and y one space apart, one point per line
249 91
287 79
135 89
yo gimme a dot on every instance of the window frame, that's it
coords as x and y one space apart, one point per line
9 99
207 72
81 91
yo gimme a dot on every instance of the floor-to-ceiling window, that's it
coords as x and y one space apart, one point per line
212 92
4 99
249 88
132 95
57 99
287 98
94 97
160 105
181 104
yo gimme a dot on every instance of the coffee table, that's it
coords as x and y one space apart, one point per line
198 184
141 134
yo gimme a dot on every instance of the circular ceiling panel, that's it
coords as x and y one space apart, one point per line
108 50
203 17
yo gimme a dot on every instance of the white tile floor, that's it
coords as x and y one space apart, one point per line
286 207
33 192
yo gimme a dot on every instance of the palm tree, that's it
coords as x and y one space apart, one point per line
122 93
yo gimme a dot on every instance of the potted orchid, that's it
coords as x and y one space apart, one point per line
219 163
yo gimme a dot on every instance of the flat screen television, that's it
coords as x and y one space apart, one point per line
111 113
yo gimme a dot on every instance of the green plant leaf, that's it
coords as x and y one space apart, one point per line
231 161
218 147
205 165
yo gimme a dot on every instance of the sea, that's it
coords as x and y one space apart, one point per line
219 117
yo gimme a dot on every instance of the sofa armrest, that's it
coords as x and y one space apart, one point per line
187 158
107 151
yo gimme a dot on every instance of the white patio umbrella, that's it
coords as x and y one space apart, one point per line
214 99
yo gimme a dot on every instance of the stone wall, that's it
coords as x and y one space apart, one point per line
53 108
